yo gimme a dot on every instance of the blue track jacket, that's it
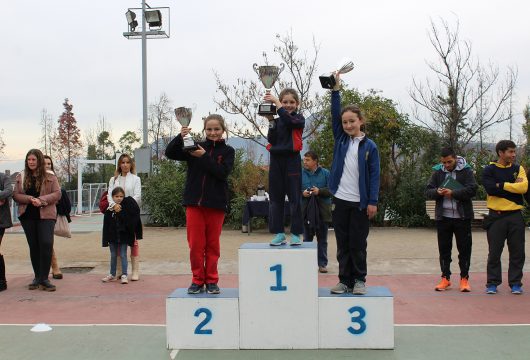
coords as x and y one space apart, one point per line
368 159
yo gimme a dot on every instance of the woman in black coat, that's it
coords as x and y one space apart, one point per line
6 191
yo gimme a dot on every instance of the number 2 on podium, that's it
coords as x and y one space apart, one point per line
199 329
278 286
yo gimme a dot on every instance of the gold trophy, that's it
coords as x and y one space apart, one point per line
183 115
328 81
268 75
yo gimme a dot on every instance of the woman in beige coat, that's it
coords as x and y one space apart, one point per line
36 192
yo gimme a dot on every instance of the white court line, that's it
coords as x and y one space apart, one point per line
173 354
457 325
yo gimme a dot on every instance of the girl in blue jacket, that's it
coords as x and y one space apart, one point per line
354 182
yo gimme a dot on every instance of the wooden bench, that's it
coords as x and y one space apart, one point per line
479 208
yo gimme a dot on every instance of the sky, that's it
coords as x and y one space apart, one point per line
55 49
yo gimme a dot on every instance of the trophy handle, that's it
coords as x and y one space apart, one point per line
256 68
282 66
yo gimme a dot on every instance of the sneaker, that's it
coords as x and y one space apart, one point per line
123 279
195 289
464 285
295 240
34 285
46 285
491 289
443 285
108 278
279 239
359 288
212 289
322 269
340 288
517 289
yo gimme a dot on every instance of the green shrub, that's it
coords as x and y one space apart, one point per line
163 194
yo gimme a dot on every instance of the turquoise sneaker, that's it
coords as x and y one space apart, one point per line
279 239
295 240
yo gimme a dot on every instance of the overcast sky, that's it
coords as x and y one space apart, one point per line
63 48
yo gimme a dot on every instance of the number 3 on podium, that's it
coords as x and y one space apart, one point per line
357 320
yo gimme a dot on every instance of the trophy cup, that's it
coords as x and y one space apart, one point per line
183 115
328 81
268 75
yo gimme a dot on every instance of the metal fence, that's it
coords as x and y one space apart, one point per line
91 194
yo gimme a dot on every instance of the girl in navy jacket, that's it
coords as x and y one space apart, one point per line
205 198
285 167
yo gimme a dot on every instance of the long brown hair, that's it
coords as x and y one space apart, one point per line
51 161
118 166
40 170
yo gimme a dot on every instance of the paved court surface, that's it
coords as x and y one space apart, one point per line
130 318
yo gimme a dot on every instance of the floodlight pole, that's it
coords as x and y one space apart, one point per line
144 75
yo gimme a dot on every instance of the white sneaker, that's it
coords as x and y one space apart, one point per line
108 278
124 279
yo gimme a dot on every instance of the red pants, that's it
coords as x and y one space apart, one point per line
203 226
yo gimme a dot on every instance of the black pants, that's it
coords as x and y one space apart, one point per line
462 231
39 234
351 226
285 178
510 228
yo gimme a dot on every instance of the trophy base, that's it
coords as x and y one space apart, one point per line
266 109
190 148
327 81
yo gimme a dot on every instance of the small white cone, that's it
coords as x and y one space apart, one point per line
41 327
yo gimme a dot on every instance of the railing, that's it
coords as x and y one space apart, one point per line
91 195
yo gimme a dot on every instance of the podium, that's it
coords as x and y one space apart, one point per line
279 306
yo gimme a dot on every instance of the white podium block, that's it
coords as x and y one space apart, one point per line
202 321
350 321
278 296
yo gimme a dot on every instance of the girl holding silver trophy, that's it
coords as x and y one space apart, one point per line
205 198
285 169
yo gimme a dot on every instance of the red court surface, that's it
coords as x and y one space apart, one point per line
84 299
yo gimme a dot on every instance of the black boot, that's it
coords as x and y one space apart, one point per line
3 282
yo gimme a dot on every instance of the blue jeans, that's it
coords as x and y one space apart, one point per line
322 239
114 257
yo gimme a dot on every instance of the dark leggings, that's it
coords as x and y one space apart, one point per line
39 234
2 232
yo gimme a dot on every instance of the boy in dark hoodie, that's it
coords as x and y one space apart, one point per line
453 214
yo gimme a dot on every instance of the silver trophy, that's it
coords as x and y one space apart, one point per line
268 75
183 115
328 81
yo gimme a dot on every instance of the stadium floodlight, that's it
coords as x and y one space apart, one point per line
153 18
131 16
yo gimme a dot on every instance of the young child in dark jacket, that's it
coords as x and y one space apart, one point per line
121 226
205 198
285 168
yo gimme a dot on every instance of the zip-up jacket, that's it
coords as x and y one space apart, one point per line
508 195
369 171
207 176
462 197
285 133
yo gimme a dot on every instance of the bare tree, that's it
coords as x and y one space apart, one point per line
243 97
160 122
465 98
2 143
49 133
